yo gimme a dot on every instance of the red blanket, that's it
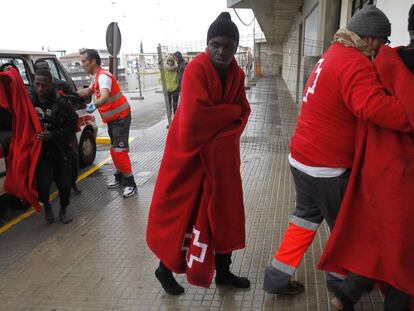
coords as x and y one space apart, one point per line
197 207
373 234
24 147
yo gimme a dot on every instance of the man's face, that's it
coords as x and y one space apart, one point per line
374 43
88 65
221 51
43 86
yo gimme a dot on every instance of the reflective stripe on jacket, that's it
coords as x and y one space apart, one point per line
116 106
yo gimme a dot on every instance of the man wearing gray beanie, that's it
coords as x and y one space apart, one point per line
342 90
370 22
354 285
198 198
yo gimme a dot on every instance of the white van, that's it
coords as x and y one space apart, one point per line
24 61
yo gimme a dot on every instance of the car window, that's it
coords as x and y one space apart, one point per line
56 71
53 68
19 63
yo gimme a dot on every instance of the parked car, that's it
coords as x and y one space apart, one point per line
24 61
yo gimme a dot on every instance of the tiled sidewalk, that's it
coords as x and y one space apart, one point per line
101 262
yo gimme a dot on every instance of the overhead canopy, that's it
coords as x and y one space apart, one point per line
275 17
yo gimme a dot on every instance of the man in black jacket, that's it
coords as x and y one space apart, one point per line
407 52
63 88
58 120
178 57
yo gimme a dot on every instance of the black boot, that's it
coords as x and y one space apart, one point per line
228 278
167 280
223 274
395 300
49 217
350 291
62 216
345 303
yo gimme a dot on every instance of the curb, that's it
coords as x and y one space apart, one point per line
103 140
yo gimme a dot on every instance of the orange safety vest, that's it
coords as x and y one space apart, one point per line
116 106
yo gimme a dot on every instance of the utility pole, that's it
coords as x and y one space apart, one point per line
139 79
254 45
164 84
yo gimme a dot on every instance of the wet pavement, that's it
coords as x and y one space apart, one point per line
100 261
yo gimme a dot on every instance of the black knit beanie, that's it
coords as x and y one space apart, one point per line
223 26
370 22
411 22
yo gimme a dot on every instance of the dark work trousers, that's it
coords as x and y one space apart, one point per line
319 198
54 168
316 199
118 131
354 286
75 159
222 262
173 101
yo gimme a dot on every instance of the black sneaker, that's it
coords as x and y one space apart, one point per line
293 288
168 282
49 217
113 184
277 282
63 218
129 191
76 189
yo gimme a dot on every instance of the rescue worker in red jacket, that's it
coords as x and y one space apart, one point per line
342 87
116 112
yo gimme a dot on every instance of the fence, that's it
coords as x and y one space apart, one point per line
290 61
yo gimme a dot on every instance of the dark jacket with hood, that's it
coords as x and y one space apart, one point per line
57 116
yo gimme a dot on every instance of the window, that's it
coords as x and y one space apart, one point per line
359 4
311 47
19 63
57 72
53 68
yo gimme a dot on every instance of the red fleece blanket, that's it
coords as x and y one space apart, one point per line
373 234
197 207
24 148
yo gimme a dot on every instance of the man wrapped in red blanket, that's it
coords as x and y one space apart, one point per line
24 147
377 211
196 217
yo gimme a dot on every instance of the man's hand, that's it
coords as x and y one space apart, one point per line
45 135
90 108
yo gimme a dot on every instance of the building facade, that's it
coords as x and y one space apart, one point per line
297 32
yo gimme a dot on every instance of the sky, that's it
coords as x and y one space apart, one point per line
73 24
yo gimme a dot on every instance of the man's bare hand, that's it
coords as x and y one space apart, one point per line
45 135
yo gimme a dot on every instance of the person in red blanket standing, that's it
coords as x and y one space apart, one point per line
196 218
343 88
116 112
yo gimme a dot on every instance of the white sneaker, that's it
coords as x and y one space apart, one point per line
113 184
129 191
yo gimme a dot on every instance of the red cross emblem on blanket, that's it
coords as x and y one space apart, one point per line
188 248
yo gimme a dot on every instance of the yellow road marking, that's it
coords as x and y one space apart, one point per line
104 140
53 196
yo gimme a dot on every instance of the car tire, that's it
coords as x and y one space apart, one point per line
87 148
